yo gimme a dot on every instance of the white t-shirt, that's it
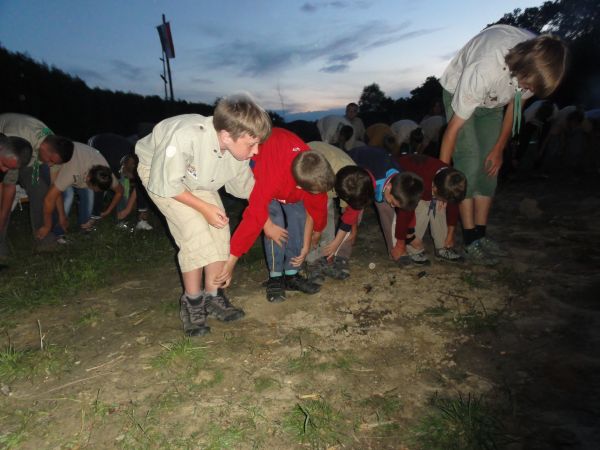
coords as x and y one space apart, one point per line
74 173
478 75
403 128
330 126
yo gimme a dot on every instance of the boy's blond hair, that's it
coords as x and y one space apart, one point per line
240 114
312 172
540 62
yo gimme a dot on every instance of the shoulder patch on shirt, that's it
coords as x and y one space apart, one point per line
171 150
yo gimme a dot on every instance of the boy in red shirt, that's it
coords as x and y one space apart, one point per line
443 188
288 202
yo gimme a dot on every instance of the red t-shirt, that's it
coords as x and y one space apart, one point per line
274 181
426 167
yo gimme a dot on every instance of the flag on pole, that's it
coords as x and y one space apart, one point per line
166 39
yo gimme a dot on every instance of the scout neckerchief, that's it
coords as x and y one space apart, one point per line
433 202
380 184
35 173
517 112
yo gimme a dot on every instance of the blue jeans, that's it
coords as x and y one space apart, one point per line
86 203
291 216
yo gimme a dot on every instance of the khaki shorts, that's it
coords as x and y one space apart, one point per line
199 243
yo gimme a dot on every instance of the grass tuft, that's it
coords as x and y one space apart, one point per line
316 423
463 423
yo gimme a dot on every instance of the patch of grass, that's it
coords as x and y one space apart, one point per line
307 362
28 364
472 280
265 383
458 424
87 262
223 438
14 439
436 311
183 355
89 318
476 321
384 406
316 423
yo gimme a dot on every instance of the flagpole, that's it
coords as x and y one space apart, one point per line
168 67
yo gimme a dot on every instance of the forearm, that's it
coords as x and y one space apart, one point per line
6 200
190 200
308 230
115 200
449 140
505 131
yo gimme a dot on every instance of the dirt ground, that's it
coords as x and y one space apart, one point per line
523 335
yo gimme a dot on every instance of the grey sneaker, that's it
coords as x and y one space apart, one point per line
475 254
491 247
220 307
420 258
448 254
193 316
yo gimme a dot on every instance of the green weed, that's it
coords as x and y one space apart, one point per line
183 355
28 364
384 406
264 383
15 438
458 424
316 423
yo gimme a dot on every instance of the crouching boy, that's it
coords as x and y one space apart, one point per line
443 188
288 202
182 164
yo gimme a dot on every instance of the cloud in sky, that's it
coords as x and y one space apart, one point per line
126 70
256 59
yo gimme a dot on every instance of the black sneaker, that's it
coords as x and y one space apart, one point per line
193 316
276 290
298 283
221 308
314 271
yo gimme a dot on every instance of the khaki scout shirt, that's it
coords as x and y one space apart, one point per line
26 127
336 158
183 153
478 76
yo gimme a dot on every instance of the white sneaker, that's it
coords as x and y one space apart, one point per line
143 225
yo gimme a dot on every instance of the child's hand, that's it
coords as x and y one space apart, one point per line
121 215
215 216
298 260
329 249
276 233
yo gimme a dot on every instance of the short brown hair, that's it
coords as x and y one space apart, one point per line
312 172
100 177
541 62
354 185
451 185
14 147
407 188
240 114
60 145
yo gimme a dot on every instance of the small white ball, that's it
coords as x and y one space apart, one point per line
371 266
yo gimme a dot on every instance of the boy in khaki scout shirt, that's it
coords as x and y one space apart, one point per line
182 164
